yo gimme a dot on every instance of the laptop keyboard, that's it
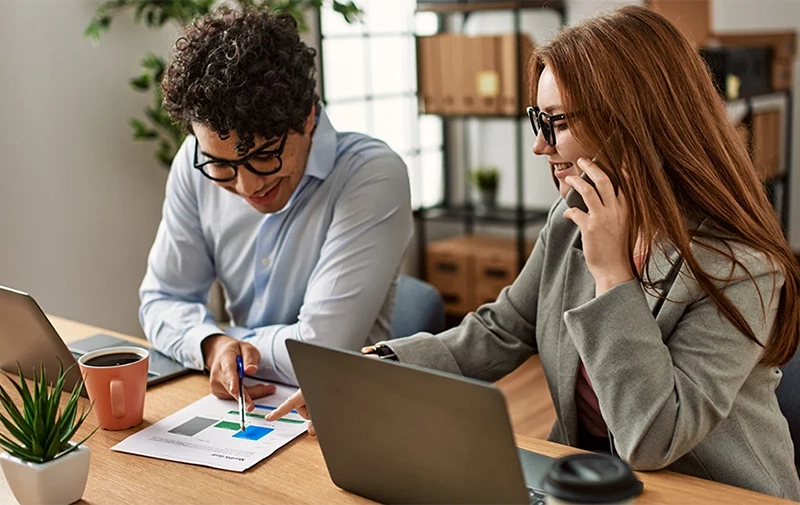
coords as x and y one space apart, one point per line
536 497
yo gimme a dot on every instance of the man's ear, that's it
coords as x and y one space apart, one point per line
309 126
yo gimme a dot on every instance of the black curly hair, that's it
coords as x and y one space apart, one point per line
245 71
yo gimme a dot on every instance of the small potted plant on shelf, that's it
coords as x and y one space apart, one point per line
42 465
485 180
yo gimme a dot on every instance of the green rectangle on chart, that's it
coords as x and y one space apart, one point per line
293 421
248 414
228 425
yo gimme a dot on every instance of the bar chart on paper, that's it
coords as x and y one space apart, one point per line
208 433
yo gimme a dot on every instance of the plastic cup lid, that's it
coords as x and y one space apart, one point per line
591 478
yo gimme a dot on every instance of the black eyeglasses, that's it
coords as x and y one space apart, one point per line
261 162
544 121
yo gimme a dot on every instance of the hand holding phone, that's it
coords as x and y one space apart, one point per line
575 200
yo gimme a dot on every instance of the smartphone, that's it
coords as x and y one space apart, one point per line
575 200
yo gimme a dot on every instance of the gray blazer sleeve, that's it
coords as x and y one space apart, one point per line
661 395
490 342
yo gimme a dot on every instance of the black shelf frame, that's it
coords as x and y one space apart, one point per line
499 215
518 216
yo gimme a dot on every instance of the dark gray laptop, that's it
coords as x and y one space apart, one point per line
28 338
398 433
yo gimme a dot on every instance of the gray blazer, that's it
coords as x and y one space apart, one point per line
683 390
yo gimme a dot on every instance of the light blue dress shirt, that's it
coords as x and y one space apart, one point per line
321 269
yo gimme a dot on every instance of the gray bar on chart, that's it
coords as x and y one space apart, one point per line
193 426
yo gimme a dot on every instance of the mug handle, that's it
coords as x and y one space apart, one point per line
117 399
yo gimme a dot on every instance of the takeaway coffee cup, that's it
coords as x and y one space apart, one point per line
116 380
591 478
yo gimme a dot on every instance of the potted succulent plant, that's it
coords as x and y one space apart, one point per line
485 180
42 465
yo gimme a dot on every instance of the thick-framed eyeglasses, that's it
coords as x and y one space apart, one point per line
262 161
545 122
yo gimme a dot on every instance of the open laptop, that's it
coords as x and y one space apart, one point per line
398 433
28 338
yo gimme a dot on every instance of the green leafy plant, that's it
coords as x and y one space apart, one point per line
157 126
41 431
485 177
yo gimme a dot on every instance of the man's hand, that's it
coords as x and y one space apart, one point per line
219 354
294 402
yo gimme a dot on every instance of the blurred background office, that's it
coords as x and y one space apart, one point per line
80 200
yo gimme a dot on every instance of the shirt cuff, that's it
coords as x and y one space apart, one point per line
192 350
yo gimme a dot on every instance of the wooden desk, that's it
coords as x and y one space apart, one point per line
294 474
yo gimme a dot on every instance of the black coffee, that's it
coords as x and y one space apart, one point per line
114 359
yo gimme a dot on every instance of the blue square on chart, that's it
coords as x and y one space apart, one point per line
253 433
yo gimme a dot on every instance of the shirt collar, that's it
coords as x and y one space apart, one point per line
322 156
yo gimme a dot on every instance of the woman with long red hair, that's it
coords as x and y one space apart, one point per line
663 310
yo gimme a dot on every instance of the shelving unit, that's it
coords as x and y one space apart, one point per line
452 209
778 185
516 216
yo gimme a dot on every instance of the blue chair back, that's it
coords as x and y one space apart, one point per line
788 393
417 307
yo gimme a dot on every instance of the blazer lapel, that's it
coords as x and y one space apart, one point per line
660 272
579 288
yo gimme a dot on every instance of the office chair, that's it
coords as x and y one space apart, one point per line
417 307
788 394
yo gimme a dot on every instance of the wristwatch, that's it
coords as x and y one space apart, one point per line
383 351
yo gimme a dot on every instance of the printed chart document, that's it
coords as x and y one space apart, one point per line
207 433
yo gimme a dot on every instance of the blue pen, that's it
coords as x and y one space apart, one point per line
240 370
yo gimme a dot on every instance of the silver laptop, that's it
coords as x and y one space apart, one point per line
28 338
397 433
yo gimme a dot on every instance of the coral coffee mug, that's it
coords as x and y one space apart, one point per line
116 380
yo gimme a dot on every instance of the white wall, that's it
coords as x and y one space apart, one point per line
79 200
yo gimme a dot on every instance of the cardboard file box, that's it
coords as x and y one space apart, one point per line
449 270
766 144
782 75
471 270
472 75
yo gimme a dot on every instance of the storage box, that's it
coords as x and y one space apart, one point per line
479 75
496 266
449 269
766 143
692 17
471 270
513 69
782 75
739 71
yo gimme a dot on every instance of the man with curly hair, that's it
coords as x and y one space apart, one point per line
303 226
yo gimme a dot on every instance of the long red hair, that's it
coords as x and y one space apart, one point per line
646 101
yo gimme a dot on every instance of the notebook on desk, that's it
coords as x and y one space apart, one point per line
398 433
27 338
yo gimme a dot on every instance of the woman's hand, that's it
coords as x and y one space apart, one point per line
294 402
604 229
298 403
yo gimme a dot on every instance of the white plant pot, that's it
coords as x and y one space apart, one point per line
58 482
